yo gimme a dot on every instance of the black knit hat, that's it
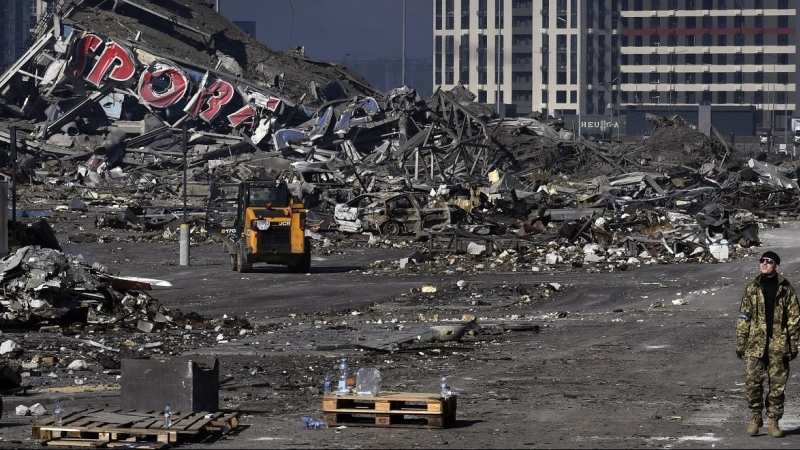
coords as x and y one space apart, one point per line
773 256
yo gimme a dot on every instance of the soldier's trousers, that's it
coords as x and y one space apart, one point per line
776 371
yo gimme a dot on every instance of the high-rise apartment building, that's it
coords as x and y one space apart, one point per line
597 57
17 18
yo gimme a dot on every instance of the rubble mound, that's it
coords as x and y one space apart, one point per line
675 142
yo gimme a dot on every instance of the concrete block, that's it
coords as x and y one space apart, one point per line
187 384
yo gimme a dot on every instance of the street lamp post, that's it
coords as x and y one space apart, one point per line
497 69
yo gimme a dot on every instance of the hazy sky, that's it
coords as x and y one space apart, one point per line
370 31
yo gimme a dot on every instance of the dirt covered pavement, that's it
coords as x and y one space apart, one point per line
598 281
636 358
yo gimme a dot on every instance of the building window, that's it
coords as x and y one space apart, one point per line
465 14
573 96
481 96
498 15
689 97
449 19
482 12
438 14
561 96
722 97
783 39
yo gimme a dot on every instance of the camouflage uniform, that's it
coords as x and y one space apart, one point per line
751 340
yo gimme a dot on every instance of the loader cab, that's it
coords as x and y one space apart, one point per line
261 194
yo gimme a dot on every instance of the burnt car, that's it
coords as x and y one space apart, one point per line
321 187
392 213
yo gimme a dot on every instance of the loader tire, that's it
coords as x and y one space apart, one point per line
241 262
304 266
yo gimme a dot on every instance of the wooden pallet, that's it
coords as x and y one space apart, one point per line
118 428
390 409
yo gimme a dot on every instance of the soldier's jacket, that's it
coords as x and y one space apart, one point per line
751 326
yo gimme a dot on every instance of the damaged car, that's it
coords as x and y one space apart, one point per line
391 214
321 187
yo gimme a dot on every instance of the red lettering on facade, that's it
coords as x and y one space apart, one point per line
77 62
162 85
246 114
116 56
210 99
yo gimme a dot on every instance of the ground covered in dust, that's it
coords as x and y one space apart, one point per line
641 358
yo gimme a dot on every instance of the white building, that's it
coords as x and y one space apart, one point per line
597 57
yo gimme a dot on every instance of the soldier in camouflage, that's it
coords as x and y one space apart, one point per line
767 334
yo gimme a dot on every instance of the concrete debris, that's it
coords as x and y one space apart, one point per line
382 162
112 105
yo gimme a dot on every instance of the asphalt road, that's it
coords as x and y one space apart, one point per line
613 369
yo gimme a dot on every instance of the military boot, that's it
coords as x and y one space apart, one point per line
755 423
773 429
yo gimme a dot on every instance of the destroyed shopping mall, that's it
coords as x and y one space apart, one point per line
125 121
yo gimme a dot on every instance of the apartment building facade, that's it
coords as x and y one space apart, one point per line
596 58
17 18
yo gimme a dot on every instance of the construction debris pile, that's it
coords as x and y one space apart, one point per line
45 287
117 102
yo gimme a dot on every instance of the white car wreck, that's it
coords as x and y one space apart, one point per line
392 214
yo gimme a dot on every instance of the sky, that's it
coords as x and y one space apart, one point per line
366 34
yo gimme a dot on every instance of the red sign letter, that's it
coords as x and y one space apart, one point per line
79 51
113 53
245 114
210 99
171 84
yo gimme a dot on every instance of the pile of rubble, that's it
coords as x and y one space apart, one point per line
119 102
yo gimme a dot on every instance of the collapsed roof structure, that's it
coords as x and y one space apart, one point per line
121 97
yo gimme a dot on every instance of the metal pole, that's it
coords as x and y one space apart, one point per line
291 26
184 232
185 149
403 69
772 118
497 68
13 130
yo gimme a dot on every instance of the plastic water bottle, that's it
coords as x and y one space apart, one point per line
444 390
57 412
167 416
343 376
326 385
